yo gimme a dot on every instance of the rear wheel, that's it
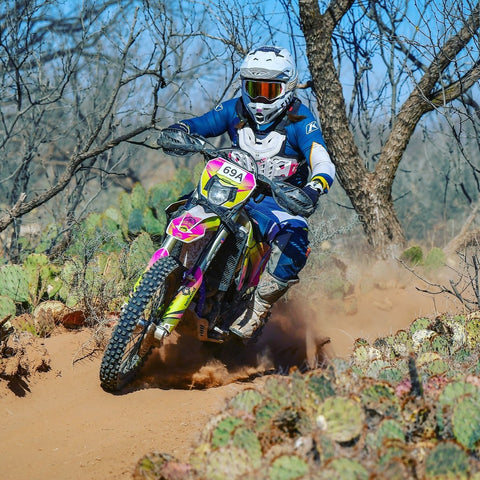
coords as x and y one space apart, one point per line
132 339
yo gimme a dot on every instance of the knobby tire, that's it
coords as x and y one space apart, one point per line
120 365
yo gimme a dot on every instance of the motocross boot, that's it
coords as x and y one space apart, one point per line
269 290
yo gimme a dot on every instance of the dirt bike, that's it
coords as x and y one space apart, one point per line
209 262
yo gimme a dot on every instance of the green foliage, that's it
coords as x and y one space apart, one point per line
413 255
107 253
435 259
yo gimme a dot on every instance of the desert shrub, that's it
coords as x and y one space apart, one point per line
413 255
434 259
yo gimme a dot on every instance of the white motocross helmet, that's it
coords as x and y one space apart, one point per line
269 77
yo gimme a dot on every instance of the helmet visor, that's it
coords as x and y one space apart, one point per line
267 91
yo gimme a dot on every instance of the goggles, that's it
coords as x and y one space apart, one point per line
267 91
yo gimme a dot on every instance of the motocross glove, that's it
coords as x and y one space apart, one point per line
314 190
179 126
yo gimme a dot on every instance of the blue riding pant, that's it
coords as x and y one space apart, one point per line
287 234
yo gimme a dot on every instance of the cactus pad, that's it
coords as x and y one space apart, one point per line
347 468
342 418
246 400
450 396
14 283
7 307
466 421
223 432
447 461
288 467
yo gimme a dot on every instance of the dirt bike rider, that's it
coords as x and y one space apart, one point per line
283 136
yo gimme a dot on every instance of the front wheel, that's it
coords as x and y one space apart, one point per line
132 339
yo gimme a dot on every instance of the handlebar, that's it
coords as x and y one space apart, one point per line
289 197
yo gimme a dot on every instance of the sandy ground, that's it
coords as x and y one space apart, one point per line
63 426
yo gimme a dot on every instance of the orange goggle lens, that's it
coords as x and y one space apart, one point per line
266 90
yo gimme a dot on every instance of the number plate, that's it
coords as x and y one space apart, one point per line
232 172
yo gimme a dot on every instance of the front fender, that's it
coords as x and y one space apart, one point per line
192 224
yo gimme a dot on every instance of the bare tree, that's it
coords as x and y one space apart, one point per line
426 73
67 76
78 81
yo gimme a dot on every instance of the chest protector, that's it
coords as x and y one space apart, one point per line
268 149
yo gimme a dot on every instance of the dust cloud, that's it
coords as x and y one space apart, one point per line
303 331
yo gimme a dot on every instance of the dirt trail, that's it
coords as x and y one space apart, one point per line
67 428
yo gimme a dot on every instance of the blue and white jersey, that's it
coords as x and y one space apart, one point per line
289 148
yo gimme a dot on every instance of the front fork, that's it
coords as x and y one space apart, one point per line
189 288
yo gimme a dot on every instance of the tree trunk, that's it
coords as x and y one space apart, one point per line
369 192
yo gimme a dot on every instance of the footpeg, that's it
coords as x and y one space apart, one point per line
160 333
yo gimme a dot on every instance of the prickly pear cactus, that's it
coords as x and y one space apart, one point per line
246 400
466 421
125 204
375 368
346 468
403 343
138 197
432 363
141 250
277 388
226 462
440 344
247 440
472 331
265 413
43 279
7 307
447 460
391 374
135 220
387 430
320 385
363 355
14 283
292 421
448 399
288 467
341 418
421 323
392 456
379 399
152 225
223 432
